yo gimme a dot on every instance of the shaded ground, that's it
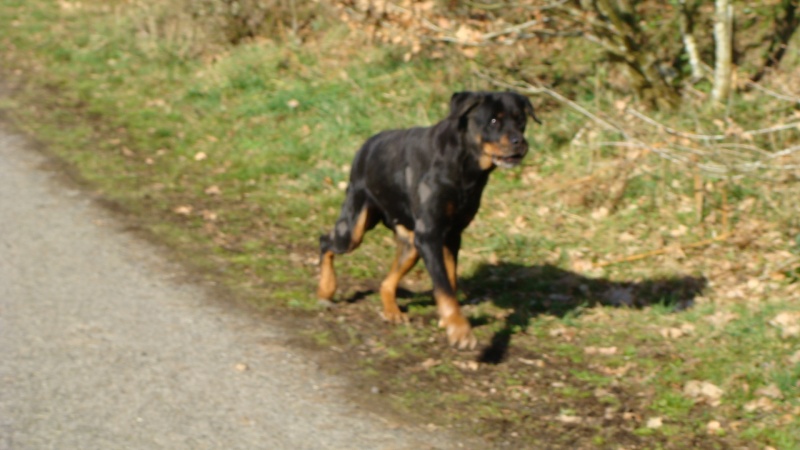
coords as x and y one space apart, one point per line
547 390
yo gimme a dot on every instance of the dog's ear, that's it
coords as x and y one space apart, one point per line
462 103
528 107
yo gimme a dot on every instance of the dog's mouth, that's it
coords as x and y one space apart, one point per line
507 162
500 154
509 158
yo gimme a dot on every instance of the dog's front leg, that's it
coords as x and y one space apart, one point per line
432 249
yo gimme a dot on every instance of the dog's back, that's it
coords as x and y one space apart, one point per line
388 166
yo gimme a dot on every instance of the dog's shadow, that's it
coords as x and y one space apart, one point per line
529 291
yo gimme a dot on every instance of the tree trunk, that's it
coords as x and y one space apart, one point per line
625 43
723 37
785 26
689 42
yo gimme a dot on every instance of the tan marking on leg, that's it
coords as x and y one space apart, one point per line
357 233
450 266
405 259
327 277
459 332
404 234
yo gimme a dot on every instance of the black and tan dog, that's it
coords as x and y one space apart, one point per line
425 184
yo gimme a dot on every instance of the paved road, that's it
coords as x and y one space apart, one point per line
102 346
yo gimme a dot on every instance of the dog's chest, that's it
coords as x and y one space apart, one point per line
467 203
453 201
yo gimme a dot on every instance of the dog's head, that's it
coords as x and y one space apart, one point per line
493 124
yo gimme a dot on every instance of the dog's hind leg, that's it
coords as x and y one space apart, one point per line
357 217
404 260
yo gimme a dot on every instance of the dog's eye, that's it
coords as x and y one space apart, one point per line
493 123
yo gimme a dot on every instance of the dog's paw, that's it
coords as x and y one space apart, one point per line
459 332
394 316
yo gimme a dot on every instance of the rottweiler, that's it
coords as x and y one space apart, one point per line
425 184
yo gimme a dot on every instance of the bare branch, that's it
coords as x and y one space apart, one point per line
509 30
717 158
531 89
785 152
709 137
663 250
772 93
787 126
493 6
748 147
704 137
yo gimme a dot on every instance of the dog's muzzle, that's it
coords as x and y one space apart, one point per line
512 157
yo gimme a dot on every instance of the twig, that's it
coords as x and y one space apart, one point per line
784 152
531 89
767 273
576 217
725 208
619 144
704 137
675 153
787 126
663 250
487 6
568 185
482 40
752 148
501 83
493 6
773 93
699 194
509 30
708 137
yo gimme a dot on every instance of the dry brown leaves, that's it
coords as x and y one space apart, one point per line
788 323
412 23
703 391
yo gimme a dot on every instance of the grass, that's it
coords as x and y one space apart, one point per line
237 157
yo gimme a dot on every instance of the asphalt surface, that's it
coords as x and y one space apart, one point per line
104 345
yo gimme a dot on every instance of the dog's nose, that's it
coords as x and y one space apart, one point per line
515 139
